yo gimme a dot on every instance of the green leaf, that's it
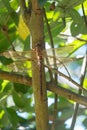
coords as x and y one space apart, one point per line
14 4
12 116
83 28
11 12
3 97
21 88
75 28
7 36
67 4
8 87
4 120
75 16
78 28
19 100
56 28
5 61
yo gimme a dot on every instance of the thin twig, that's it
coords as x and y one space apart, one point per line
85 20
22 5
48 29
55 75
51 40
83 72
71 80
67 77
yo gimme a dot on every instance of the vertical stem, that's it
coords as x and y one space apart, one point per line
83 72
55 75
34 20
36 26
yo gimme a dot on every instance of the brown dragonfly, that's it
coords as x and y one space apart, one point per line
58 55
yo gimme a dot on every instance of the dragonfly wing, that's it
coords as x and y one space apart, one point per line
58 55
20 60
19 66
58 52
17 55
59 61
50 54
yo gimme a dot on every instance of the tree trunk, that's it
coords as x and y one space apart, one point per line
36 26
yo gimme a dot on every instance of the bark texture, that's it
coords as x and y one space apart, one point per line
36 26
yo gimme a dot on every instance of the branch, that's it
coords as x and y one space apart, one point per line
68 78
13 77
67 94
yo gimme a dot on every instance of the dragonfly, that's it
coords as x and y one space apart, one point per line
58 54
61 55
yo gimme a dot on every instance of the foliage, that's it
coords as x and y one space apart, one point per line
68 24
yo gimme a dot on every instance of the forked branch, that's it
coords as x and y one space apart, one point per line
13 77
